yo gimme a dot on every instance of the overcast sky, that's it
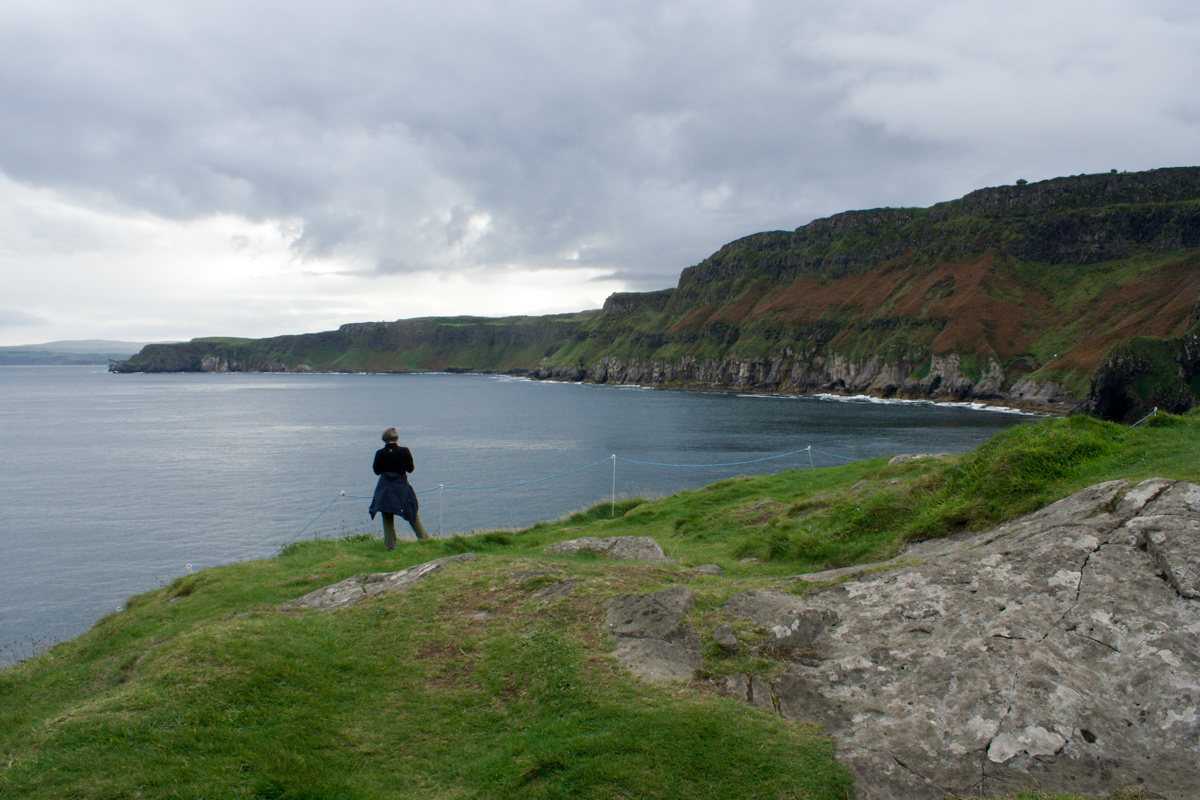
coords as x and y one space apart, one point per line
170 170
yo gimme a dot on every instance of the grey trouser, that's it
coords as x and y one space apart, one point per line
389 529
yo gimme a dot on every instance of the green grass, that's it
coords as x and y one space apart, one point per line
203 689
467 686
233 340
818 519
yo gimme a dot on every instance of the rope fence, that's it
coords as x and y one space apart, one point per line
441 489
1143 419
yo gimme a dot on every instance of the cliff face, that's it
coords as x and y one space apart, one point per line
790 373
1014 294
1144 374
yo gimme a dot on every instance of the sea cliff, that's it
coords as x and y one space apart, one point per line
790 373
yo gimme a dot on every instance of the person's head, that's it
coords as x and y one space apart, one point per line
391 435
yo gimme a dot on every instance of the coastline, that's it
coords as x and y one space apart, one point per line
1053 408
1055 404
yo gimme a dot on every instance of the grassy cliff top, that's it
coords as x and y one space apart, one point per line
468 686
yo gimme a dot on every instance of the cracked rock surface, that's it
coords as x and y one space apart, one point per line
1061 651
639 548
359 587
652 640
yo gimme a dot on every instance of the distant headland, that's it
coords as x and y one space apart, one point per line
71 352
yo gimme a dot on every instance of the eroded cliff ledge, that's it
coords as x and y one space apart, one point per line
788 373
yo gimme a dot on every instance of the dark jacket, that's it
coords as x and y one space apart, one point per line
393 494
393 458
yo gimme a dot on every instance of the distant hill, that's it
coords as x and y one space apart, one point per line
1012 294
81 351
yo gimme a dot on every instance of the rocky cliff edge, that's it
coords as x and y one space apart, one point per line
1057 651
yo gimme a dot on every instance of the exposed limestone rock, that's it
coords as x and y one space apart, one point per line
350 591
655 661
794 627
652 640
727 639
751 689
638 548
1172 539
1031 393
904 458
945 379
556 590
526 575
708 569
811 372
912 553
651 616
1057 651
990 382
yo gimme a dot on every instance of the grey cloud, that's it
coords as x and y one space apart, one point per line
645 281
15 318
393 266
628 136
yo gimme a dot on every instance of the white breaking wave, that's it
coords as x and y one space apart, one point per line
863 398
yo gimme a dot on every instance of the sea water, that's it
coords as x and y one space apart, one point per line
111 484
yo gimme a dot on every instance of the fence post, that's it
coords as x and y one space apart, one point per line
613 512
441 505
810 461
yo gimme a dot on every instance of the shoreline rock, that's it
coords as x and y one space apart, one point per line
799 374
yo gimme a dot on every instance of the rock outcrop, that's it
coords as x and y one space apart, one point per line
1143 375
360 587
638 548
652 640
1059 651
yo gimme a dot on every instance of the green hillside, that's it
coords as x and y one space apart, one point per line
68 353
469 344
1014 295
468 686
1042 280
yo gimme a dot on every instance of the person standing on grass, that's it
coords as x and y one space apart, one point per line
393 494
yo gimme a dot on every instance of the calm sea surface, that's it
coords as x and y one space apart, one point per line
113 484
